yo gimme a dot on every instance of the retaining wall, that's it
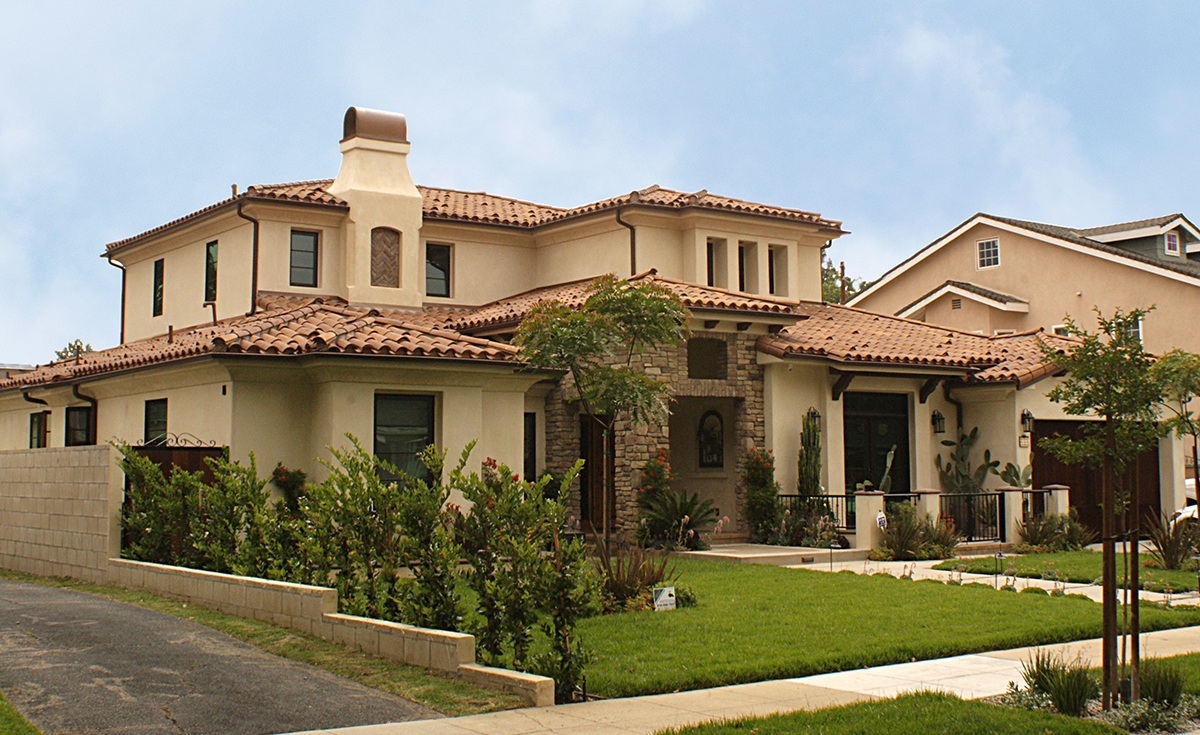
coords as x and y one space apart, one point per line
60 516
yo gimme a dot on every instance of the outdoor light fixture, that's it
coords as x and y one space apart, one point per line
814 414
938 421
1026 421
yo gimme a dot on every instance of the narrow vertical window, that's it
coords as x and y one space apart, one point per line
742 268
210 271
771 271
1171 243
39 430
530 446
711 440
304 259
712 270
403 428
155 425
437 270
158 287
79 427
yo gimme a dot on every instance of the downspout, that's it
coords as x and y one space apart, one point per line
31 399
957 405
95 411
254 263
123 280
632 244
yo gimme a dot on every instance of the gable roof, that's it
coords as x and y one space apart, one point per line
1054 234
510 311
482 208
297 326
850 336
985 296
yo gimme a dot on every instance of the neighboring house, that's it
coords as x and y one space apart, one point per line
995 275
7 371
281 319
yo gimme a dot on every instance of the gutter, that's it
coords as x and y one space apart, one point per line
124 275
31 399
254 263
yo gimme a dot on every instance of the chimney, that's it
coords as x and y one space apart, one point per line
375 182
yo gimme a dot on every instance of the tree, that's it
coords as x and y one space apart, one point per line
72 350
1109 376
831 283
1179 374
595 345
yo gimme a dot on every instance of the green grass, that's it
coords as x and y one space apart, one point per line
11 721
1078 566
438 691
927 714
758 622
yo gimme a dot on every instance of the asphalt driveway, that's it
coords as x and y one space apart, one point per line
77 663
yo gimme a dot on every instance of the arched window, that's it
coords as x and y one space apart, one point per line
711 440
385 257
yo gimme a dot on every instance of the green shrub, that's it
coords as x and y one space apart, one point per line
685 596
1038 669
1173 543
940 537
628 573
902 537
1034 591
762 494
1162 681
1143 715
291 483
1068 686
673 520
157 515
1051 532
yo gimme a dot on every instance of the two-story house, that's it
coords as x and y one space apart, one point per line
279 320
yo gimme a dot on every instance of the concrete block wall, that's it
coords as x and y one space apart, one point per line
60 511
313 610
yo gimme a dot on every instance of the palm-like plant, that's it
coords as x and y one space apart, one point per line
1174 542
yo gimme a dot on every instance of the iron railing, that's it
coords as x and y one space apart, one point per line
840 507
976 516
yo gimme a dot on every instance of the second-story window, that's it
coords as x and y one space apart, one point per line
988 253
158 287
1171 243
304 259
154 427
210 271
437 270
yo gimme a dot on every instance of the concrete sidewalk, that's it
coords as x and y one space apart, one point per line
971 676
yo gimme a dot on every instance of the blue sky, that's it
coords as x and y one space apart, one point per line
900 119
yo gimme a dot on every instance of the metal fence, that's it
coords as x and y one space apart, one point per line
977 516
841 507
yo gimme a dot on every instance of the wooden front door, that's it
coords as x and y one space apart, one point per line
591 480
874 424
1085 482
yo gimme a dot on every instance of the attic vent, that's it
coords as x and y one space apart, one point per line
955 303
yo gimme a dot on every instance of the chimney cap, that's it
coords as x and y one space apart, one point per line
361 122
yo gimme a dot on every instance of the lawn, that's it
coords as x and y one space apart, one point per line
758 622
1078 566
11 721
928 714
432 689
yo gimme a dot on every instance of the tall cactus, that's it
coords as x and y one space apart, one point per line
808 475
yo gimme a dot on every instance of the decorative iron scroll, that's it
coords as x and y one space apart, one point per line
171 441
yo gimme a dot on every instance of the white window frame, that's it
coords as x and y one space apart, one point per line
979 266
1054 330
1003 332
1167 239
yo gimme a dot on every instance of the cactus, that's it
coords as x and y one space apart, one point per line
808 475
956 475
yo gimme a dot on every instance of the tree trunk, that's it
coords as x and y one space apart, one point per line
1109 573
1135 627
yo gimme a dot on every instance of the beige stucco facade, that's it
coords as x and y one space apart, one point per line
1055 279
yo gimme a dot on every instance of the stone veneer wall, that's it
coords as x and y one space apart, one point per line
60 511
635 445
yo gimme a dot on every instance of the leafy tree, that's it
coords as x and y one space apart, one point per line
831 283
596 343
1179 373
1109 376
72 350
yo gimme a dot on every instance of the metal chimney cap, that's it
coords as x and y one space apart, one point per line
361 122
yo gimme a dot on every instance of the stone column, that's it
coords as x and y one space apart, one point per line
1058 500
1013 513
867 534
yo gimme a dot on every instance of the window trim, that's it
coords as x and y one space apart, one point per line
1054 329
158 289
1167 238
42 421
316 253
146 438
449 269
979 265
210 271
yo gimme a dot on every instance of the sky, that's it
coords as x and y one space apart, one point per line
899 119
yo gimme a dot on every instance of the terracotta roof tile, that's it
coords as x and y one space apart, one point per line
284 327
574 293
479 206
848 335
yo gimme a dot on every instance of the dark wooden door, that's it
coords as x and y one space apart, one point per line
191 459
1085 482
591 480
873 424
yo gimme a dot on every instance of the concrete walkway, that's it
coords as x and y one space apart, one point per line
77 663
971 676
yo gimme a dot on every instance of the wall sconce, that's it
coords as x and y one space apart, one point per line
1026 422
938 421
814 414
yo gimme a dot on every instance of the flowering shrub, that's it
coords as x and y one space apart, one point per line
762 494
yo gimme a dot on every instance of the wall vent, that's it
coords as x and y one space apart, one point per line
955 303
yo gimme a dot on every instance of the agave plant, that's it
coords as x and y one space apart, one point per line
1174 543
957 475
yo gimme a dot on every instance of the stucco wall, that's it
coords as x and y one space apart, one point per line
60 511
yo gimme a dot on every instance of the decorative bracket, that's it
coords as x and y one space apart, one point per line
843 382
928 388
